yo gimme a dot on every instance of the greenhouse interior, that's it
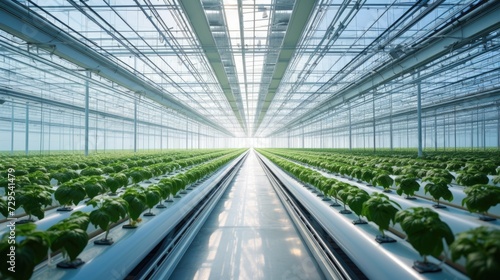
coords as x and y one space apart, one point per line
250 139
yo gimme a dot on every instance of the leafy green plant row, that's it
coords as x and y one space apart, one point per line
34 195
479 197
69 236
425 231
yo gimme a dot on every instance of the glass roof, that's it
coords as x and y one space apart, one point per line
256 68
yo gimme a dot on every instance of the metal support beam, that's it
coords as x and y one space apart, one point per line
196 16
350 126
391 137
419 115
298 22
12 130
374 124
435 132
135 125
468 30
27 129
21 22
87 115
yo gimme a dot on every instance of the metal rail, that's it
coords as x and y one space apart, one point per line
332 261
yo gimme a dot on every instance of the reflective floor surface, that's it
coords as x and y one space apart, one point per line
248 236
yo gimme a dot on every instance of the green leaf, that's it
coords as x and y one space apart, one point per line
480 198
424 230
71 241
481 249
99 217
70 193
380 210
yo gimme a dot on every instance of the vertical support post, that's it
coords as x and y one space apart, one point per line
455 127
86 115
288 138
27 138
374 132
391 138
105 136
498 127
444 133
12 129
472 131
302 137
135 125
350 126
187 127
199 132
50 119
41 129
484 130
321 144
435 131
161 131
419 114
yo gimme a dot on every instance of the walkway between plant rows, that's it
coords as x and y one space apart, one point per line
248 235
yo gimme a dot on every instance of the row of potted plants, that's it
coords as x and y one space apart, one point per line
479 197
424 229
70 237
33 192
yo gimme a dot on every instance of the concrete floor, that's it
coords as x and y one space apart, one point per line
248 236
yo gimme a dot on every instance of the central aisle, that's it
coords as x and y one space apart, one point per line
248 236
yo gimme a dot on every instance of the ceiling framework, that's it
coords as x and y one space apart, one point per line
254 68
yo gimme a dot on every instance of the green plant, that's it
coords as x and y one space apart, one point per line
383 180
367 175
153 197
480 198
355 199
425 232
481 249
334 192
438 188
380 210
94 185
64 175
136 200
39 177
27 253
343 195
109 210
70 236
407 185
4 208
33 199
469 179
69 193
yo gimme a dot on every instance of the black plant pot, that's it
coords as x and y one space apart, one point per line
74 264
